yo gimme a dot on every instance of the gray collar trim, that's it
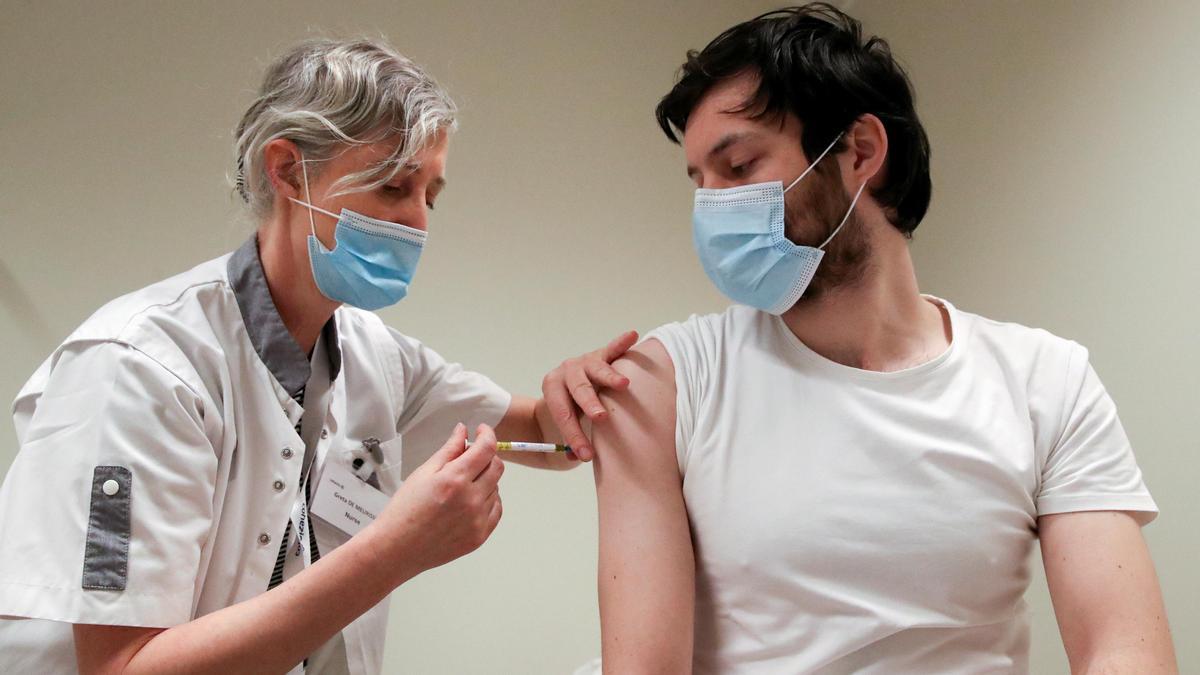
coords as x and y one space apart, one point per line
271 339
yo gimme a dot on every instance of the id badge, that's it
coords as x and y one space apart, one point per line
346 501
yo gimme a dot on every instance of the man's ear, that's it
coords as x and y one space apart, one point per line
867 142
282 161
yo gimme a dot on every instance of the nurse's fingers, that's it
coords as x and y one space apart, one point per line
495 514
620 344
455 446
606 375
477 457
562 410
584 393
489 478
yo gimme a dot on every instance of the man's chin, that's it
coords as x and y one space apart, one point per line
828 282
812 295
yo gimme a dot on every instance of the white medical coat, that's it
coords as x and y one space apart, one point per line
165 384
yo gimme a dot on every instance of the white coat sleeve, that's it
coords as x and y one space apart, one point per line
109 502
439 394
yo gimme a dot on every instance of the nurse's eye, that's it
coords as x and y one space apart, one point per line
396 190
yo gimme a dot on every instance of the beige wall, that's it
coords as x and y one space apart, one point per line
1065 175
1062 174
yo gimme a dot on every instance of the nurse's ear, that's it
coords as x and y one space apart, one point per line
281 160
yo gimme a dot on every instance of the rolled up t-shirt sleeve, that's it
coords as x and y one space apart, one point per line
1092 466
108 504
681 342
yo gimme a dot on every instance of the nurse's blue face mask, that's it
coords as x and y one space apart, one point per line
739 235
372 262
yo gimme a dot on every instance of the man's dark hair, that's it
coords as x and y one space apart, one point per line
811 61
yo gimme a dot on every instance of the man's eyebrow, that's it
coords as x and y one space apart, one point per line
439 183
721 146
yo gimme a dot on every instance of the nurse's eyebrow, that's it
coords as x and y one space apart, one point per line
439 182
722 145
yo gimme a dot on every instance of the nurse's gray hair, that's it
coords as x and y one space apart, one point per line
326 94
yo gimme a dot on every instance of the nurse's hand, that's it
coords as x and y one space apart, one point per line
449 505
571 388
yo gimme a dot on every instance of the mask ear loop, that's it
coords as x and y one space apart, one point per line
311 223
846 217
815 161
308 197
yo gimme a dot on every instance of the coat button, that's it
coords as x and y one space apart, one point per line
264 539
111 487
324 433
286 452
278 485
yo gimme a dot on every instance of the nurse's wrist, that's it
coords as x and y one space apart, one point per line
382 552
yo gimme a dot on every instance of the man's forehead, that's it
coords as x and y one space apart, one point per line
725 98
720 130
720 143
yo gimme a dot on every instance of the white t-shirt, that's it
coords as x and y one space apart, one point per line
850 521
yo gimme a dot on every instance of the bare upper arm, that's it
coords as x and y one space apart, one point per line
1106 593
101 650
647 569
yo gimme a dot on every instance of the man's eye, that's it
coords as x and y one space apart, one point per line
739 170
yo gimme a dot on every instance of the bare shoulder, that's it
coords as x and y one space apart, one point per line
640 429
649 366
648 403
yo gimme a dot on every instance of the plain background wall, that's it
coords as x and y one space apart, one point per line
1064 167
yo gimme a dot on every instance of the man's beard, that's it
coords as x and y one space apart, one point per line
824 203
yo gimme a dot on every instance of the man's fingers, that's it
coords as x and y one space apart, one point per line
619 345
455 446
477 457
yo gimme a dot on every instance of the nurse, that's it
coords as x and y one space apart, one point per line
157 515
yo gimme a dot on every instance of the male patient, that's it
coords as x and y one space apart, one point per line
864 469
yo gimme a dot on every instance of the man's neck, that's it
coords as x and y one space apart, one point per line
301 305
880 322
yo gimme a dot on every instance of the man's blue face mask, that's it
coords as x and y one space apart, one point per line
372 262
739 235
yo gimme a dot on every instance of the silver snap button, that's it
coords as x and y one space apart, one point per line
286 452
111 487
278 485
324 433
264 539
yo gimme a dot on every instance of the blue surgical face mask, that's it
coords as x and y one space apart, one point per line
739 235
372 262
